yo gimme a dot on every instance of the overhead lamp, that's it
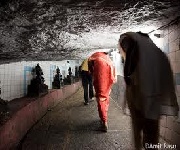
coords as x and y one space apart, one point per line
157 35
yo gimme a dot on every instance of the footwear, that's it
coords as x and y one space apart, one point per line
91 100
86 103
104 127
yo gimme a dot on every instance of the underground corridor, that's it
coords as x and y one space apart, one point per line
43 44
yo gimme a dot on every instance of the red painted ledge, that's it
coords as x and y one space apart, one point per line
22 119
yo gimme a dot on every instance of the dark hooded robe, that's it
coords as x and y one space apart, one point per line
149 78
150 90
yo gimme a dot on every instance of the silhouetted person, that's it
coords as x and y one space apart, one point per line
69 72
86 82
103 72
76 72
150 90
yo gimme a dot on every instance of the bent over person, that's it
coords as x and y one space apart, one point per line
103 72
150 90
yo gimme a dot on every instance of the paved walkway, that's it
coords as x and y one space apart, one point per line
73 126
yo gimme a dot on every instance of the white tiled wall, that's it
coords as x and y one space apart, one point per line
15 77
117 61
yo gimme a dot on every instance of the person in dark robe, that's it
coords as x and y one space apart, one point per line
150 90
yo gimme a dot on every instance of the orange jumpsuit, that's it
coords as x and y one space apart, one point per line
103 78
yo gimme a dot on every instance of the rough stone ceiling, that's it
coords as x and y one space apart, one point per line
73 29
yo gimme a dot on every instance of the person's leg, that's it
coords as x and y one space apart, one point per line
85 87
137 125
103 111
91 92
151 132
99 110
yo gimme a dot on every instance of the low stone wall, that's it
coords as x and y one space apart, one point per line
21 121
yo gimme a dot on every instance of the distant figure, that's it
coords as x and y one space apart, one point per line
86 82
150 90
103 72
76 72
69 72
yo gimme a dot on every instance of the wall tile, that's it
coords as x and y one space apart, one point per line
176 67
173 28
176 127
166 32
172 56
177 56
174 46
177 78
173 36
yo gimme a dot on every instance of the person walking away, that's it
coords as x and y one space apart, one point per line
86 82
150 90
103 72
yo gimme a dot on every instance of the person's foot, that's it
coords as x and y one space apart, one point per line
104 126
90 100
86 103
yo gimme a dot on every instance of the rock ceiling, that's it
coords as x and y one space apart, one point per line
72 29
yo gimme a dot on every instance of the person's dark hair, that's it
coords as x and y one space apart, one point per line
129 46
143 34
126 43
106 53
91 66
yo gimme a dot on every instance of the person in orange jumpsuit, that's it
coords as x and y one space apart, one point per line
103 72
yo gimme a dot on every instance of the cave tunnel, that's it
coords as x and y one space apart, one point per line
42 39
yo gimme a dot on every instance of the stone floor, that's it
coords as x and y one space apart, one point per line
73 126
